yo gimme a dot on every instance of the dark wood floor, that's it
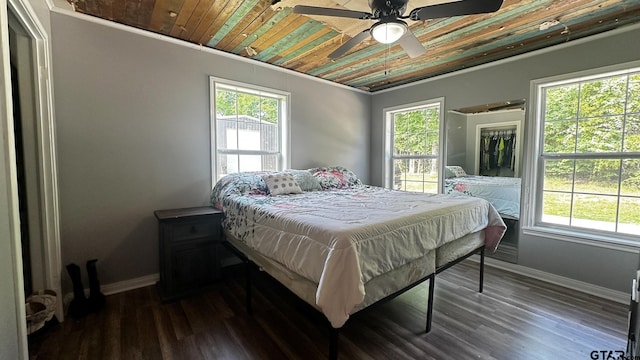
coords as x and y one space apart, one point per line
515 318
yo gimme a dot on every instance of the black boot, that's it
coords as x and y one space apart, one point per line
96 298
78 306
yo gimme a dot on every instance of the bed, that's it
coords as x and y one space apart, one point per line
502 192
342 246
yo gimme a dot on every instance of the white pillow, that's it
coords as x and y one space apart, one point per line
281 183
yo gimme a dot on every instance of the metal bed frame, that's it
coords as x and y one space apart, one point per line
334 332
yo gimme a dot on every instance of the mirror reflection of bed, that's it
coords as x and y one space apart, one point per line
484 152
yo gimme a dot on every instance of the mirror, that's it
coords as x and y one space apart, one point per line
486 142
485 139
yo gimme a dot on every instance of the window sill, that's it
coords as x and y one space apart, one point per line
622 243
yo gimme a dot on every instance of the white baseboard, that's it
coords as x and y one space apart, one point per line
122 286
599 291
118 287
595 290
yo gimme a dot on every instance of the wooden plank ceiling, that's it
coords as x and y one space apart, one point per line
272 33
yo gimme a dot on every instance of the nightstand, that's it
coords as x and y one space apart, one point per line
189 244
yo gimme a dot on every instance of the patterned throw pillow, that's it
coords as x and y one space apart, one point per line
335 177
454 171
242 183
306 181
281 183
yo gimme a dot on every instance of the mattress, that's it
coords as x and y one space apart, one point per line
342 239
502 192
375 289
458 248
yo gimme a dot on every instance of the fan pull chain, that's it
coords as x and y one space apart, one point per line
386 58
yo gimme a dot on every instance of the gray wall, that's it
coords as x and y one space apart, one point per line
610 268
456 130
132 117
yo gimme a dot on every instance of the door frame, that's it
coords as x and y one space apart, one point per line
46 156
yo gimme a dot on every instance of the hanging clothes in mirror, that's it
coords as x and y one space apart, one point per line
497 149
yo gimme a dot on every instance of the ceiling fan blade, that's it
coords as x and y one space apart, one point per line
458 8
411 45
349 44
316 10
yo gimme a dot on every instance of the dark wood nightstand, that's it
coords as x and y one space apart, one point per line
189 244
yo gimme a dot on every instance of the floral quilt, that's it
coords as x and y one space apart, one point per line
341 238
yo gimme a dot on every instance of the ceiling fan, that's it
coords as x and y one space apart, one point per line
391 28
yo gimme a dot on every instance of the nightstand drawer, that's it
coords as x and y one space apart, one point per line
194 230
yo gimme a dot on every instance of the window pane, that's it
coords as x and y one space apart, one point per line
409 138
269 137
399 124
409 144
226 131
431 187
419 175
248 133
269 110
270 162
416 132
556 207
603 97
432 145
249 163
597 176
630 177
232 163
633 100
629 221
225 104
632 133
595 212
226 164
561 103
249 104
400 174
558 175
602 134
560 136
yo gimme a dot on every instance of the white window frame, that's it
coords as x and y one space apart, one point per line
531 219
388 139
284 141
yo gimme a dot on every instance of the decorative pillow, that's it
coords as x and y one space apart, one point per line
306 181
335 177
454 171
242 183
281 183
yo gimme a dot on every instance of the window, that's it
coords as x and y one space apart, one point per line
413 147
248 128
586 161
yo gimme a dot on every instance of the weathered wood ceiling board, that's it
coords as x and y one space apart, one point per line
272 33
503 105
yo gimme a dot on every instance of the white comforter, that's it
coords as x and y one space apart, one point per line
341 239
502 192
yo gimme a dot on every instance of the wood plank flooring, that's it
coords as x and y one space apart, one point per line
514 318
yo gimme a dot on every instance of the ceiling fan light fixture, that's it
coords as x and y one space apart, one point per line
388 32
